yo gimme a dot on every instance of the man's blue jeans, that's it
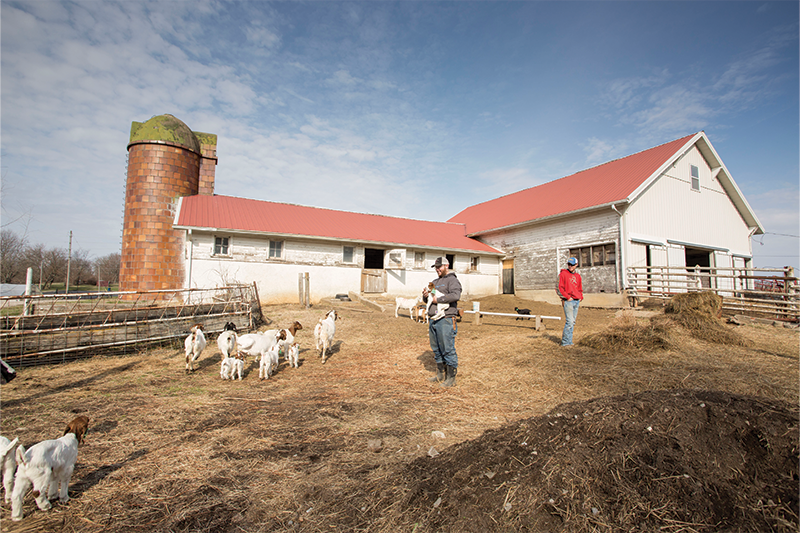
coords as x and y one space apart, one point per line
442 335
570 315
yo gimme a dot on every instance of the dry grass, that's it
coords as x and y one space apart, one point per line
168 451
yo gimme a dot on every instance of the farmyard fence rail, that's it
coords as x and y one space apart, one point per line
56 328
762 292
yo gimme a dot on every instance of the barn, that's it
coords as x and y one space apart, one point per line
671 206
230 240
674 205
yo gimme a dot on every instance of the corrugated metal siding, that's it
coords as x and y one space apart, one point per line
610 182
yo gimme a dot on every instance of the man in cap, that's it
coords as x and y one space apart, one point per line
442 332
570 289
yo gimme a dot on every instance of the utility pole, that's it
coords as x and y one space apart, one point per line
69 260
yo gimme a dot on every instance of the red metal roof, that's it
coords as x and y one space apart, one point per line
240 214
610 182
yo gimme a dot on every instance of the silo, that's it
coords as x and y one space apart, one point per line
166 160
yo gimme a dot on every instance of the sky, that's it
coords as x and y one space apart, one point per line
414 109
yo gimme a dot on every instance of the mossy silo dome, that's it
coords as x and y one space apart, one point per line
164 128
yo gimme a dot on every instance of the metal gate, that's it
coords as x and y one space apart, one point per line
55 328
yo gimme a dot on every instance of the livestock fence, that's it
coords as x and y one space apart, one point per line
39 329
762 292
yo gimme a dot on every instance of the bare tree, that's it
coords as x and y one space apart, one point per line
81 270
54 267
12 250
108 267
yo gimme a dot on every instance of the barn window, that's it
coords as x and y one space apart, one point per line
347 254
220 245
474 263
275 249
419 259
596 255
695 178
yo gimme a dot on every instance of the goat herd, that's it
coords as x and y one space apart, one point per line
48 465
265 346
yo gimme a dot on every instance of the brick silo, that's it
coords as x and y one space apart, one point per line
166 160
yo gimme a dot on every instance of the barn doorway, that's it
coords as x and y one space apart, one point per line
373 258
373 276
697 257
508 276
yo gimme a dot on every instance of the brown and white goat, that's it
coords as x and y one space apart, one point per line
47 466
195 343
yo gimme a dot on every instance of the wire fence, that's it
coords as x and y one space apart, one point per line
44 329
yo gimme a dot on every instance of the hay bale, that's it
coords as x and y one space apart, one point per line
705 302
699 313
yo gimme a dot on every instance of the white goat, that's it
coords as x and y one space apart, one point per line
269 362
47 466
406 303
232 366
440 307
293 355
9 460
227 340
288 335
258 344
195 343
324 332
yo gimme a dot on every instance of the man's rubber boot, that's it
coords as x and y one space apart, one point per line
451 376
440 373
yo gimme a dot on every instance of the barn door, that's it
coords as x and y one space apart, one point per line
373 280
508 276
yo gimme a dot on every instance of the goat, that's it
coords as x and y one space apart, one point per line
195 343
293 355
269 362
323 333
232 366
47 466
288 333
440 307
9 460
406 303
258 344
227 340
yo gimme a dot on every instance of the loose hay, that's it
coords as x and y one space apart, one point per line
698 313
625 333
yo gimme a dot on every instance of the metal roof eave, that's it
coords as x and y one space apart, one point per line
340 239
623 201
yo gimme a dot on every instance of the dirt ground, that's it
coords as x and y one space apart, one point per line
534 437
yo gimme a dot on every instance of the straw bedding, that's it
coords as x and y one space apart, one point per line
347 446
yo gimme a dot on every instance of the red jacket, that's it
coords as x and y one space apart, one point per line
570 285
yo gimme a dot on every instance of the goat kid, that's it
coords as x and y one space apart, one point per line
440 307
324 332
293 355
406 303
47 466
269 362
195 343
9 460
232 366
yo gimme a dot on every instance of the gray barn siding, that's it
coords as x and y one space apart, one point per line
541 250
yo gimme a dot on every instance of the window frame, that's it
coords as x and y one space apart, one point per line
695 179
221 250
586 255
270 248
352 254
419 260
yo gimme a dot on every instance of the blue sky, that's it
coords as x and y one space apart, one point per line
413 109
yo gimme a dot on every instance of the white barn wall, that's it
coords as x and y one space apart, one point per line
541 250
671 209
277 279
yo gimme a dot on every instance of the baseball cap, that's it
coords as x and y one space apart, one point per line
440 261
572 261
